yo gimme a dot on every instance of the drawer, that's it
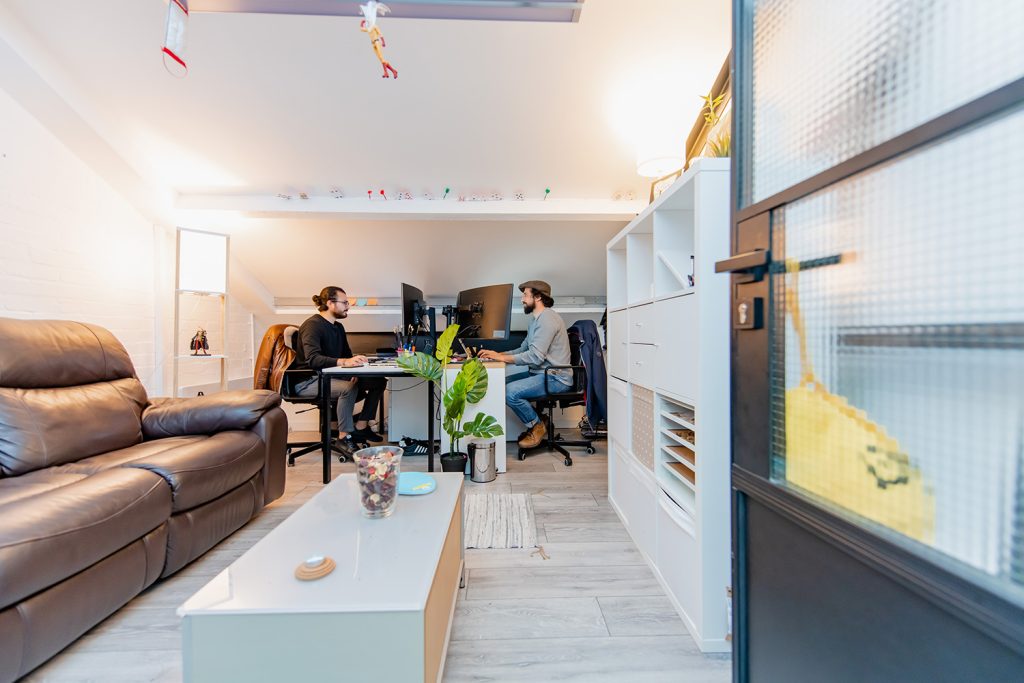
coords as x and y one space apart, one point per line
677 349
642 365
642 324
678 556
618 344
618 411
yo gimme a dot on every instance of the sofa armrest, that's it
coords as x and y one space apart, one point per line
219 412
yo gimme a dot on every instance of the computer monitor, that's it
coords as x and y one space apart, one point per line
485 313
414 310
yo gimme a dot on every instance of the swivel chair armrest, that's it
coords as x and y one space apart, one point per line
224 411
547 375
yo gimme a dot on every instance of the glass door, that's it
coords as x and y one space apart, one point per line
878 400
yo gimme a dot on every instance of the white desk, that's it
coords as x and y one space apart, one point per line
492 404
384 614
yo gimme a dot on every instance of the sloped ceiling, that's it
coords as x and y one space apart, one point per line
278 103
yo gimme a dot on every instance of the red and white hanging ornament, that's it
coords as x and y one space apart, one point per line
174 39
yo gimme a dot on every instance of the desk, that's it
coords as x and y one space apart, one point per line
384 614
364 371
493 404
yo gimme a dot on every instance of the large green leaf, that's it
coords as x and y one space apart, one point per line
443 352
421 365
454 403
482 427
476 380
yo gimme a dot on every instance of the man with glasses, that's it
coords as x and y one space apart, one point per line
323 344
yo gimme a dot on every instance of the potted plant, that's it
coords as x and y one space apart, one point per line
468 388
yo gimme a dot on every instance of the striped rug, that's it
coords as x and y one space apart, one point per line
500 520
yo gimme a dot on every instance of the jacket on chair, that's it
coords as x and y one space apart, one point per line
272 360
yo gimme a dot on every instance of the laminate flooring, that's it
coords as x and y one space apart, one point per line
588 609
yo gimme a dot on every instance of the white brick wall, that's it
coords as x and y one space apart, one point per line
70 246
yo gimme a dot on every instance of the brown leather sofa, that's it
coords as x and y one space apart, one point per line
103 491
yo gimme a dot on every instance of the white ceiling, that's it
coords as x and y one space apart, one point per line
277 103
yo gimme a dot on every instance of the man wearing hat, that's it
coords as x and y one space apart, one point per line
546 345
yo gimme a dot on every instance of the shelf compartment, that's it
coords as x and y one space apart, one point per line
685 437
682 455
212 356
682 473
682 498
680 418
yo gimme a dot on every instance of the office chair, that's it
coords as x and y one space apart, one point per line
291 379
576 395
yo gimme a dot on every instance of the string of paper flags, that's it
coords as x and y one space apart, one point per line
404 195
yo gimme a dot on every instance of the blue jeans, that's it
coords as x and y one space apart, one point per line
522 386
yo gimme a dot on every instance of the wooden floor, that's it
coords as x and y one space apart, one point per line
590 611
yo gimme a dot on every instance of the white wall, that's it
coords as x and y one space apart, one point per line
70 246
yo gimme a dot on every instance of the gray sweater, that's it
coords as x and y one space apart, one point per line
547 344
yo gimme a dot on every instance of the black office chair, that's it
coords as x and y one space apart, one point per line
291 379
575 396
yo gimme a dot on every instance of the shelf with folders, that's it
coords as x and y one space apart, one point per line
676 458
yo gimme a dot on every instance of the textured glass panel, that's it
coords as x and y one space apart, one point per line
898 348
832 79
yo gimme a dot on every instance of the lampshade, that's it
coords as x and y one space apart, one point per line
658 166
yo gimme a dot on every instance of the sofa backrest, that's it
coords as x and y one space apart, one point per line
68 391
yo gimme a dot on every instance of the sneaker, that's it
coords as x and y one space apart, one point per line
534 437
367 434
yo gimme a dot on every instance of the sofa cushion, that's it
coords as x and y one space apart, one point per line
40 428
34 483
50 536
200 471
124 456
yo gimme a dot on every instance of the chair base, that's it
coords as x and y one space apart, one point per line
555 442
344 454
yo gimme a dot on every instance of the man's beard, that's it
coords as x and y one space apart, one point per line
529 308
340 316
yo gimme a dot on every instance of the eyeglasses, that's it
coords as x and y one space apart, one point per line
340 301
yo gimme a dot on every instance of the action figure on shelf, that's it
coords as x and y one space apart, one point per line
369 26
199 343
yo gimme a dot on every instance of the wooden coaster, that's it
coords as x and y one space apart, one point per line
304 572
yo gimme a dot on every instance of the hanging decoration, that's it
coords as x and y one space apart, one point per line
369 26
174 39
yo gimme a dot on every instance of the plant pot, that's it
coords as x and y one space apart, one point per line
453 462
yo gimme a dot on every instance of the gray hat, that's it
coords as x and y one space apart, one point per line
537 286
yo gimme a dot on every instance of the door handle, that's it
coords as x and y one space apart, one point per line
748 262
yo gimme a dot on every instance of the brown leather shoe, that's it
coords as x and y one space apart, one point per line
534 436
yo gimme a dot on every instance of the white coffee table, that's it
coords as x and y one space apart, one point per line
384 614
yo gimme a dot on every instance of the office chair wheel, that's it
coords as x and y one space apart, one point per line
590 450
568 461
342 458
522 454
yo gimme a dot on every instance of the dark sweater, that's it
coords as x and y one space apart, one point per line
321 344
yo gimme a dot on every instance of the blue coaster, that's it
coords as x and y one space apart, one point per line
415 483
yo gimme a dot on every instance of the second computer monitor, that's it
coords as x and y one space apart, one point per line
413 309
485 312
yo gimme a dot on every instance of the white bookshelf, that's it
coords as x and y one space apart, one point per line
670 335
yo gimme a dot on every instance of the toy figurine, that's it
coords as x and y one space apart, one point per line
369 26
199 343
